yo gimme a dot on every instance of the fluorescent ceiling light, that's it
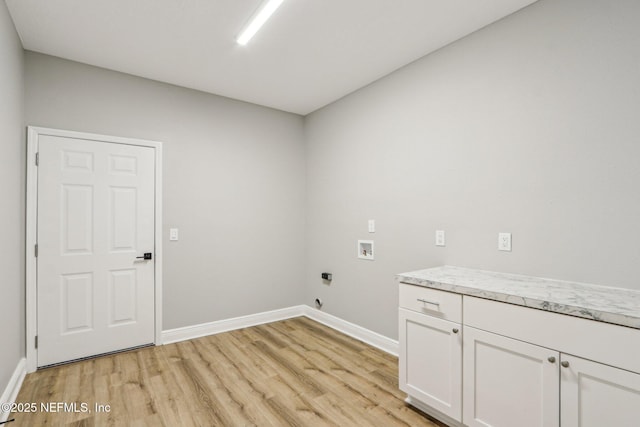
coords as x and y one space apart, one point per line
258 20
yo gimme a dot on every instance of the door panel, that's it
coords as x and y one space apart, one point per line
77 161
95 216
430 361
595 395
123 219
122 297
120 164
508 382
77 219
77 302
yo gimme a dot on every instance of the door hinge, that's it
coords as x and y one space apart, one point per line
36 341
37 159
36 250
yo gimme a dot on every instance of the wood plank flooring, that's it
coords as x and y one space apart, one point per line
295 372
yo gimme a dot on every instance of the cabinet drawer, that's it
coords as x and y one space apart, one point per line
445 305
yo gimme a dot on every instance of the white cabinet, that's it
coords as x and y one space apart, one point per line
507 365
430 358
506 361
596 395
509 382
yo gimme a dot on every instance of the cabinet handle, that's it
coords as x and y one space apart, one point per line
552 359
429 302
455 330
565 364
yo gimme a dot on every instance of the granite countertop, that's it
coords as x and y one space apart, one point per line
602 303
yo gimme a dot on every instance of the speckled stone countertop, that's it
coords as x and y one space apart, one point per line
601 303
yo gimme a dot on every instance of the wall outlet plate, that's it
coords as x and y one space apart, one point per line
365 249
439 237
504 242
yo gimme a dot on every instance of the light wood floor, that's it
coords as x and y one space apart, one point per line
294 372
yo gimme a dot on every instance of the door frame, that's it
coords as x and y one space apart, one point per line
34 132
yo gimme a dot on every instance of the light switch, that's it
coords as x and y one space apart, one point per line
173 234
372 226
439 237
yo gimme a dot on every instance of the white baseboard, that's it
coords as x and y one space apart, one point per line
11 391
211 328
358 332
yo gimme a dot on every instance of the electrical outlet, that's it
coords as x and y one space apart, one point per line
372 225
439 237
504 242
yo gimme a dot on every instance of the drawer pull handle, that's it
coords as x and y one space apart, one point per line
552 359
455 330
565 364
429 302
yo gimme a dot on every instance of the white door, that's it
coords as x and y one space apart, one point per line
508 382
430 361
596 395
95 218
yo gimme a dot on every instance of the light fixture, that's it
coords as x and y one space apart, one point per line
258 20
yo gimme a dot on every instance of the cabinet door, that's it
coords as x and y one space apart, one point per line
430 361
509 382
596 395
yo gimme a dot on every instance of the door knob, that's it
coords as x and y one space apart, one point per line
552 359
147 255
455 330
565 364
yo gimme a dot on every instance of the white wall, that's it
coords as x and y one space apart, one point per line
12 198
529 126
234 183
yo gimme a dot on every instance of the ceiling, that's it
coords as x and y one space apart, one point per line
309 54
